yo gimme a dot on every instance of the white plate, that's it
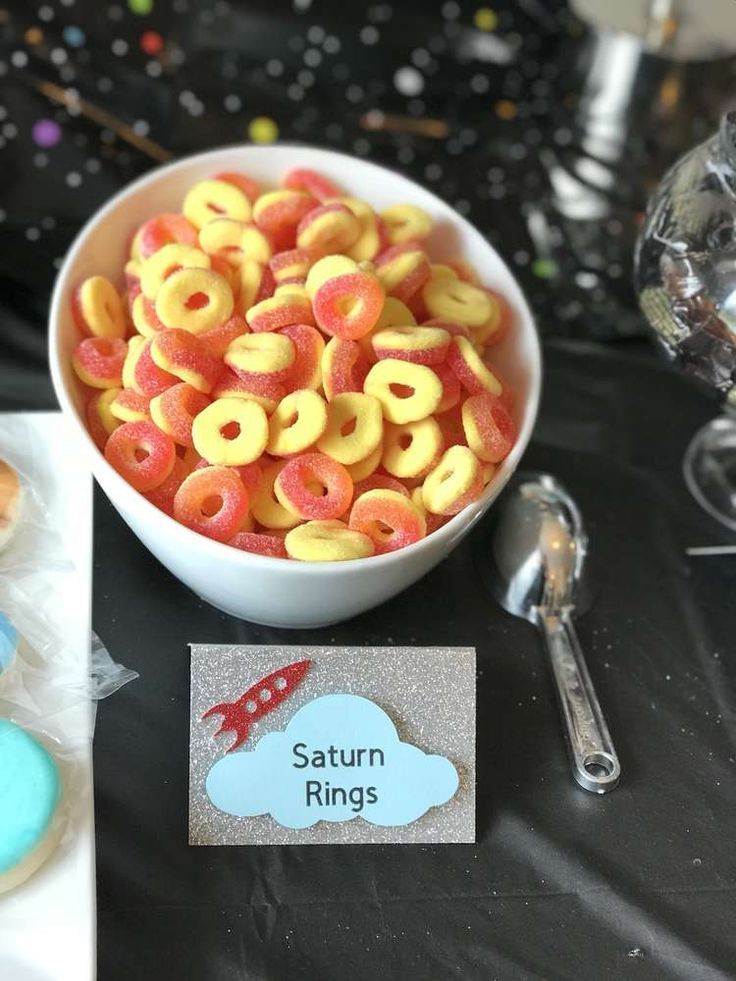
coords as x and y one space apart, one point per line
47 926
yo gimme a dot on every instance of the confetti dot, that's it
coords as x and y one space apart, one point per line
19 59
450 10
58 56
505 109
479 84
274 67
34 35
140 7
73 178
33 234
74 36
263 130
315 34
408 81
232 103
151 42
369 34
312 57
141 127
46 132
154 69
45 13
295 92
10 131
545 268
40 160
119 47
331 44
485 19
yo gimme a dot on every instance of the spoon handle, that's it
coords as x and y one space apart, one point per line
595 764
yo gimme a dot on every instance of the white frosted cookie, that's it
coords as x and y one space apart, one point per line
11 501
30 793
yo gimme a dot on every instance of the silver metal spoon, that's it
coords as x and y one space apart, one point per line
537 557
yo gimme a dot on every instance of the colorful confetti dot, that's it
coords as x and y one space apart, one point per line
151 42
141 7
34 35
505 109
263 130
74 36
545 268
46 132
485 19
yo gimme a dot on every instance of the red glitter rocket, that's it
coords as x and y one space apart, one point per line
260 699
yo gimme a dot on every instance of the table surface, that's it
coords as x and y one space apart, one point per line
560 884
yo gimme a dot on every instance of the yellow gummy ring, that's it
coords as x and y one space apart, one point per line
327 268
265 508
364 468
243 446
354 428
101 308
165 262
298 422
176 306
215 199
423 397
261 354
405 222
452 479
327 541
411 449
454 300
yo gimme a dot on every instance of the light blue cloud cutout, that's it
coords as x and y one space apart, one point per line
264 780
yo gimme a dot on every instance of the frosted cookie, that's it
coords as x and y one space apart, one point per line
8 644
30 791
10 502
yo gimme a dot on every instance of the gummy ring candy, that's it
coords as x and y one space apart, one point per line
255 282
259 544
182 355
348 306
234 241
141 454
279 311
420 345
390 519
344 367
163 496
402 272
434 521
394 314
452 299
141 373
100 420
406 223
97 308
175 409
489 428
420 390
438 270
168 260
370 241
130 406
230 432
215 199
294 264
454 483
194 299
314 487
297 423
278 213
98 361
379 481
364 468
450 388
309 346
266 355
143 313
217 340
132 277
412 449
327 268
266 509
303 179
257 388
499 324
250 475
471 372
354 427
213 502
164 230
327 541
328 228
250 188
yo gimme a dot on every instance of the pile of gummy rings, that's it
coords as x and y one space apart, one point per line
288 372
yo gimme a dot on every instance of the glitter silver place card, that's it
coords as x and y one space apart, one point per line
331 745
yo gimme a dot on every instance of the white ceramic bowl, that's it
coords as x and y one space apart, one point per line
280 592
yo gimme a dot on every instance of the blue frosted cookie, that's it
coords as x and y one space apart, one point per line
30 791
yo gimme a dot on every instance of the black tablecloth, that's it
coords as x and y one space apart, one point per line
560 884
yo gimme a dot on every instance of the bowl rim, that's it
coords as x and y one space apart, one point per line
134 500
